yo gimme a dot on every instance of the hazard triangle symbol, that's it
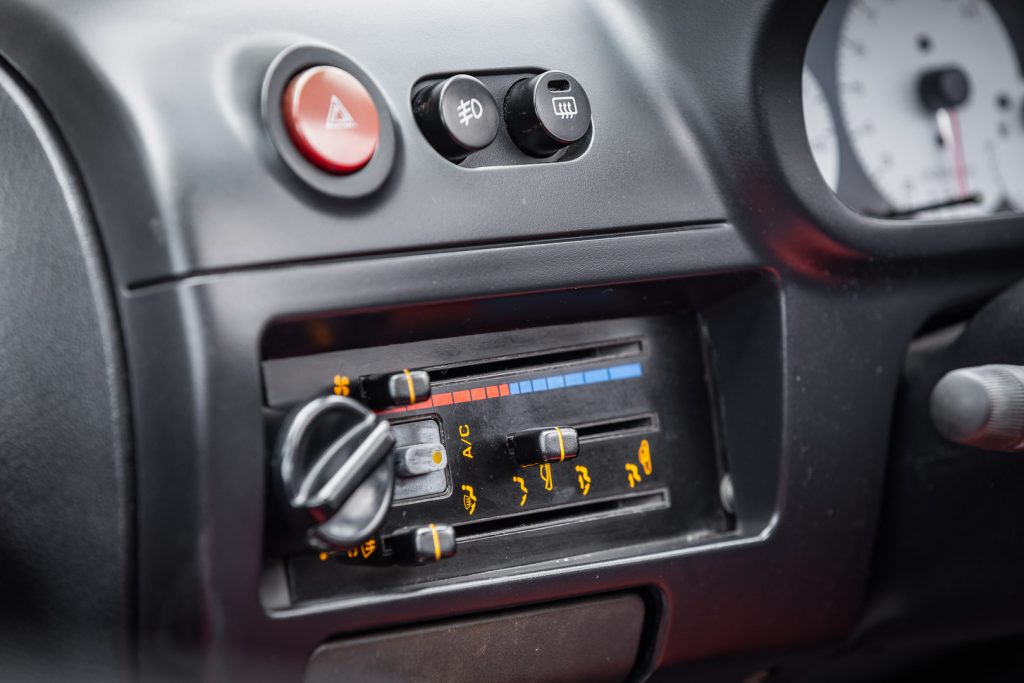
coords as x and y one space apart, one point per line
338 116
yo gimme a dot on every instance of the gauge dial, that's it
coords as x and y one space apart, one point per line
1010 144
921 86
821 129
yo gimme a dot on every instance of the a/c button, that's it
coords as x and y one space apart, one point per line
331 119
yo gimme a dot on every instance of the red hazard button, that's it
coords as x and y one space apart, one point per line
331 118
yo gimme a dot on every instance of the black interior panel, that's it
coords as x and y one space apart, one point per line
745 362
596 639
66 527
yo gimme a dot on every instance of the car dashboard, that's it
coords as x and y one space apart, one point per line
591 340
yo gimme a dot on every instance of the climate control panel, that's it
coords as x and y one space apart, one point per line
506 448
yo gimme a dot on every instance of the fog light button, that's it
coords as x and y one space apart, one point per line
458 116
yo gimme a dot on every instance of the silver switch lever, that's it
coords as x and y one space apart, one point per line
981 407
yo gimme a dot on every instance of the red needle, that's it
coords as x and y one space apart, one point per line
959 163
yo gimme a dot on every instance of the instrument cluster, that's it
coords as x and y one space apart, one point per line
914 109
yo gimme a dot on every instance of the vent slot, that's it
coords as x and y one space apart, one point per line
622 426
541 361
578 512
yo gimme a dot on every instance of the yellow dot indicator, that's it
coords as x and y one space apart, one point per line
437 457
323 557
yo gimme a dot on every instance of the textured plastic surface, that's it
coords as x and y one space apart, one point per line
952 511
807 476
158 102
167 130
594 640
66 549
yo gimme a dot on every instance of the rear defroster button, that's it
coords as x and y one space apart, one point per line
331 118
547 113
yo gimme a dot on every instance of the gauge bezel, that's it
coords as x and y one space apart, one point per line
818 98
824 231
856 188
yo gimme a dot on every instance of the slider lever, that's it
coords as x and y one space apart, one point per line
422 544
392 389
539 446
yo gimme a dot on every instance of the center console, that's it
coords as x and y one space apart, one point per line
523 430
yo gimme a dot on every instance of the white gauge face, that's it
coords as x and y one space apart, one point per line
1009 144
821 129
955 145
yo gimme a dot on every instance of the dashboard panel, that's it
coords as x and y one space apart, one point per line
589 340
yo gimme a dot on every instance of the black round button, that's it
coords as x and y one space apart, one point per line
457 115
547 112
